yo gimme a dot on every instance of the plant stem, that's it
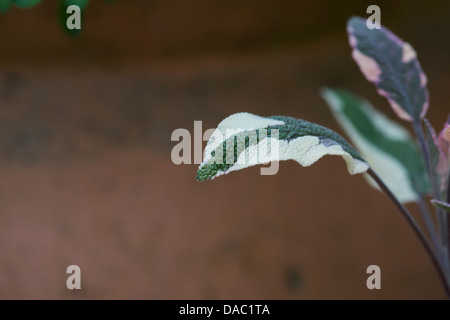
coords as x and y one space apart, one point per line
448 187
446 216
409 218
431 228
434 188
439 250
441 215
426 155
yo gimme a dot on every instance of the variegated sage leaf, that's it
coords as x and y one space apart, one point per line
5 5
243 140
392 65
386 146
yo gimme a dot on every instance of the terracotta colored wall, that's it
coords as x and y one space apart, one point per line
86 176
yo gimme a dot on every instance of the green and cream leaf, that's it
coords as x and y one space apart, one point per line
243 140
388 148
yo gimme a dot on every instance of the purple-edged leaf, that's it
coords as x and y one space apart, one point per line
439 160
441 204
392 65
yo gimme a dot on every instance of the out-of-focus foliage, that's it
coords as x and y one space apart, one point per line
62 14
5 5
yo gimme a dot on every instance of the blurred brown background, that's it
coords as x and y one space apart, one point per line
86 176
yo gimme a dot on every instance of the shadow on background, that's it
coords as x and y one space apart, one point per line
86 176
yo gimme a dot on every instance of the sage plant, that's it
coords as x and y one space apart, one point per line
407 168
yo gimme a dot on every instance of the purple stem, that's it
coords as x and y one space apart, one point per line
431 228
417 230
448 220
441 218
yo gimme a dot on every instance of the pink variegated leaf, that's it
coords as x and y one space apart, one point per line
392 65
